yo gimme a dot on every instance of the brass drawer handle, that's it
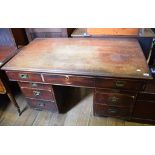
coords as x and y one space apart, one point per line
36 93
38 109
41 104
120 84
113 99
23 76
67 77
112 111
34 85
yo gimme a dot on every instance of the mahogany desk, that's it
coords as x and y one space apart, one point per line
115 69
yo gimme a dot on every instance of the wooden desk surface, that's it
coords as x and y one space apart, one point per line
85 56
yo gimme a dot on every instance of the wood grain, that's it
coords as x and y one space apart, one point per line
82 32
113 31
97 57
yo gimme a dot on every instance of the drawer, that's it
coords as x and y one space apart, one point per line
38 94
69 80
103 110
42 105
35 85
150 86
2 88
114 99
119 84
146 96
24 76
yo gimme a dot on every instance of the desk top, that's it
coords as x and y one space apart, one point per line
109 57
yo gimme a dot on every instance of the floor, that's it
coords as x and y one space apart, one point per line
80 114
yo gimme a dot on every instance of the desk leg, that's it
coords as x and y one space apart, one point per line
12 99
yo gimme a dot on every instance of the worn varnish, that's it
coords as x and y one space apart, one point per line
99 57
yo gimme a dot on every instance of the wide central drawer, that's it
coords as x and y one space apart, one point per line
119 83
125 99
69 80
38 94
24 76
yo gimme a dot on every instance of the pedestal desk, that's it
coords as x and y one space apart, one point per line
115 69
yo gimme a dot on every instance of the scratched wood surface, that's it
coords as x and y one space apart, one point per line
99 57
79 115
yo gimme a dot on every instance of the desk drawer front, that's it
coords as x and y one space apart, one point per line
42 105
102 110
24 76
35 85
38 94
69 80
114 99
146 96
118 84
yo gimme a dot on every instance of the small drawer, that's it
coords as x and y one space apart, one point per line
146 96
2 88
150 86
119 84
42 105
69 80
110 98
24 76
35 85
38 94
103 110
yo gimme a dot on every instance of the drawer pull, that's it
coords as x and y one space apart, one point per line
34 85
23 76
38 109
36 93
41 104
113 99
119 84
112 111
67 77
